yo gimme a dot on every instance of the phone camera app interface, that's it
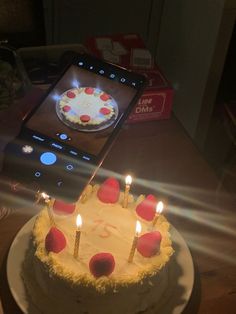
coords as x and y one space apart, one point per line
82 110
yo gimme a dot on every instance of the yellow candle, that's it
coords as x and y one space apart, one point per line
135 241
128 181
38 197
49 202
77 235
159 209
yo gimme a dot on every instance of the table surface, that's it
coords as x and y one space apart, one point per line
166 163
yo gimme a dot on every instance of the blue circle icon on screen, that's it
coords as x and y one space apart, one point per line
48 158
63 137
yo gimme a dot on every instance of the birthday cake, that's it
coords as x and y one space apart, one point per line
87 109
110 275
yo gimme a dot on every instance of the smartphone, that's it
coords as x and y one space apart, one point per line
65 139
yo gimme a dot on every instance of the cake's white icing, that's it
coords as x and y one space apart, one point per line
68 284
86 104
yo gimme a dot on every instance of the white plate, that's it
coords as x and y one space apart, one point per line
181 276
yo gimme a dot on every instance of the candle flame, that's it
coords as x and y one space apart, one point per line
128 180
45 196
159 207
78 221
138 227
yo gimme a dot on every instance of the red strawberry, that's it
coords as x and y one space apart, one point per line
66 108
70 94
55 240
109 191
147 208
85 118
102 264
105 110
149 244
63 208
104 97
89 90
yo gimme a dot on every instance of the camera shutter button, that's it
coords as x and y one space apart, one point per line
48 158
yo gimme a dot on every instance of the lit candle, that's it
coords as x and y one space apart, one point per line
159 209
135 241
38 197
128 181
48 201
77 235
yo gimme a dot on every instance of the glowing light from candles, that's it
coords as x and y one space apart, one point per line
77 235
159 209
47 200
45 196
128 181
138 230
79 221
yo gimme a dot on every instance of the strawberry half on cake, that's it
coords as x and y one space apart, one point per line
87 109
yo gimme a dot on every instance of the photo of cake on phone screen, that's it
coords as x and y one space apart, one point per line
87 109
83 105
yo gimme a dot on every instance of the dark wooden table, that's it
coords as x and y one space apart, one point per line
165 162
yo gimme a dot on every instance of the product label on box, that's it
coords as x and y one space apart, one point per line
151 103
149 107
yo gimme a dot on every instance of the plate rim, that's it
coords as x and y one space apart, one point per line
23 303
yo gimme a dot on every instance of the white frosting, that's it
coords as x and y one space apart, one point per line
86 104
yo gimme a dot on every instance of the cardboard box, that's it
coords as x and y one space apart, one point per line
129 51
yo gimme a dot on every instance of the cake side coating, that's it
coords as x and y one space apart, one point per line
51 295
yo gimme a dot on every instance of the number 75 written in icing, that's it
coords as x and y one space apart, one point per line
104 227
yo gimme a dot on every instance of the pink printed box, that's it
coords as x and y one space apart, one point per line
129 51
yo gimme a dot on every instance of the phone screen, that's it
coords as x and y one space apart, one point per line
83 109
67 136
